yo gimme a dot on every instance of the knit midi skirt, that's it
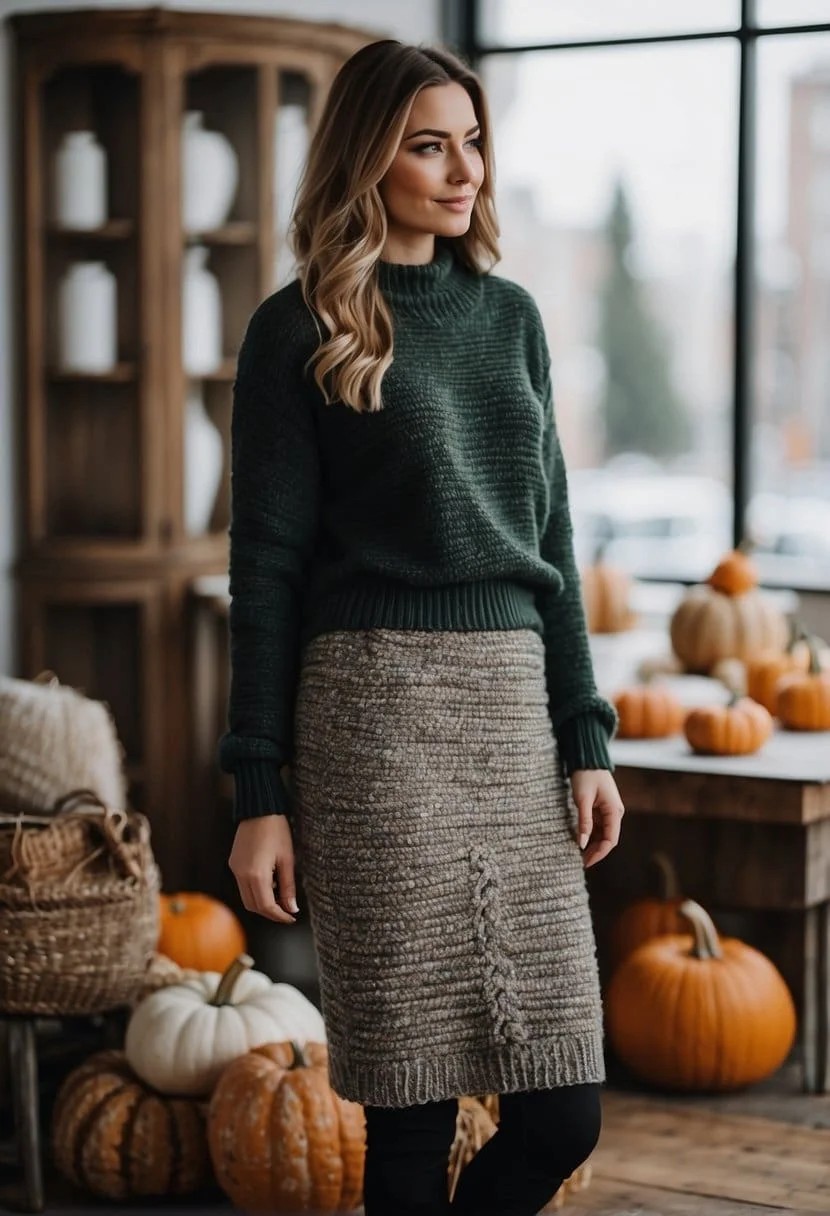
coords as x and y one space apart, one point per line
436 841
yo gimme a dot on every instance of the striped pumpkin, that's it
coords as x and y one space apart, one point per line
117 1138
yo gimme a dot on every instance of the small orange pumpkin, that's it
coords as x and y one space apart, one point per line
734 574
699 1013
199 932
605 594
648 711
650 916
119 1138
736 729
281 1139
764 670
802 699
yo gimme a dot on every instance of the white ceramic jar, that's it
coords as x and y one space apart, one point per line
80 181
201 315
210 175
203 460
87 318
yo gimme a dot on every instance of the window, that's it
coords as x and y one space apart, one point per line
618 193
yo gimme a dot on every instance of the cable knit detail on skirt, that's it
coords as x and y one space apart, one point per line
435 836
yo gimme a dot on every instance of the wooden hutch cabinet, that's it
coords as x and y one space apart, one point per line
107 554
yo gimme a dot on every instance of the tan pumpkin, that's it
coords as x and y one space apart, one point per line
802 700
736 729
606 591
734 574
199 931
698 1012
280 1138
649 916
180 1037
648 711
115 1137
707 626
731 673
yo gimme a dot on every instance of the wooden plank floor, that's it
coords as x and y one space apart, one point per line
764 1151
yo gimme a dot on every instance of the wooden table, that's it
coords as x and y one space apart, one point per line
748 835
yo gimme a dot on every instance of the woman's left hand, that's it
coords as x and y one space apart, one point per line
600 812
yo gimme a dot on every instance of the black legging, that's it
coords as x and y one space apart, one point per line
542 1136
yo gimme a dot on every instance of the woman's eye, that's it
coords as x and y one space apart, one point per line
476 142
426 147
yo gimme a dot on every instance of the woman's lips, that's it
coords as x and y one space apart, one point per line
459 204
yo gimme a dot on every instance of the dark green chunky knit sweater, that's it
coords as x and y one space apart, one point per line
446 509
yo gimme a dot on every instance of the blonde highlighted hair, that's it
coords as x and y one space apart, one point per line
339 225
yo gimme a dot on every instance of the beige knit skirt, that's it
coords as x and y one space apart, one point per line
435 839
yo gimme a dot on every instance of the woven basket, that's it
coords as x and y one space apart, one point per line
79 907
56 739
476 1122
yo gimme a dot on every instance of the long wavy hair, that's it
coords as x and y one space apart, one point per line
339 223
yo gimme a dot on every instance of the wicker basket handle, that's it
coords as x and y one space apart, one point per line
115 827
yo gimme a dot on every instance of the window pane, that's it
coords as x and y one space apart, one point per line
789 514
793 12
513 22
616 198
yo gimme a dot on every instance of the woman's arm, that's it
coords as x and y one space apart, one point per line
274 513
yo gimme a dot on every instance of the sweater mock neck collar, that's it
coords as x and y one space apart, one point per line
439 290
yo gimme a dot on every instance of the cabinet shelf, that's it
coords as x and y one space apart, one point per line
112 230
120 374
236 232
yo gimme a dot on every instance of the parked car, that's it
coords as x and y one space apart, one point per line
651 523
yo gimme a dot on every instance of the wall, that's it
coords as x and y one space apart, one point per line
411 22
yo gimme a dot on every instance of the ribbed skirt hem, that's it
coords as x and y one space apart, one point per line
545 1064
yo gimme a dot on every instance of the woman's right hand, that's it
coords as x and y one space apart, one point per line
262 846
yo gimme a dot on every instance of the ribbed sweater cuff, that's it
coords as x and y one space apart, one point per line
583 743
258 790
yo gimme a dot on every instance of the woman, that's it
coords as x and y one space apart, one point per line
407 631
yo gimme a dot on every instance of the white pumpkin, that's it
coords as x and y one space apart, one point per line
180 1037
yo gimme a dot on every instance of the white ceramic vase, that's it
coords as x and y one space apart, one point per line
291 137
203 459
210 175
87 318
80 181
201 315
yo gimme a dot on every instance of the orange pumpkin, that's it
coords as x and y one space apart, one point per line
281 1139
802 699
648 711
734 574
764 670
699 1013
199 932
605 593
650 916
116 1137
737 729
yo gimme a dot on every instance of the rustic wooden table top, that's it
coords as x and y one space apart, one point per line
787 781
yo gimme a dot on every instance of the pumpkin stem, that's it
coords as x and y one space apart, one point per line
226 985
745 545
599 552
176 905
667 875
299 1060
815 667
706 943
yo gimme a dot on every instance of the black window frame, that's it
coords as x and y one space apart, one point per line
462 25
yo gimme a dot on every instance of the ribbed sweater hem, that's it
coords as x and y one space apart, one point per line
371 603
568 1059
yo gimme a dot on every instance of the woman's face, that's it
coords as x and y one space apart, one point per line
430 187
